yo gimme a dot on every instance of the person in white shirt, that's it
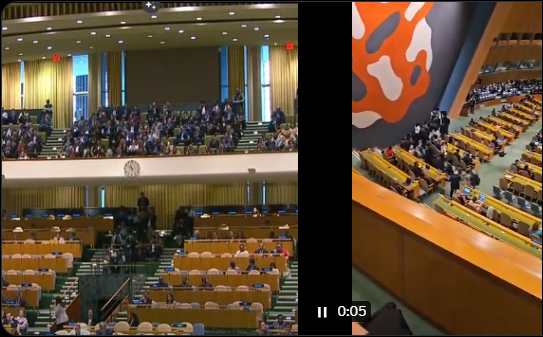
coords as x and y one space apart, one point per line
61 317
241 249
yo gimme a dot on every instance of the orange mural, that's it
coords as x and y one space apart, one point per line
391 57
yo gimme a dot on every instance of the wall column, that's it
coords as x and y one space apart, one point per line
91 196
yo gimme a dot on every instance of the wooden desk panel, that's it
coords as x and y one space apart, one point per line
41 248
512 129
87 236
176 278
232 246
46 280
222 263
488 226
526 116
100 225
60 264
510 117
513 177
31 295
513 212
220 297
460 269
246 220
436 175
532 157
222 318
484 150
257 232
373 159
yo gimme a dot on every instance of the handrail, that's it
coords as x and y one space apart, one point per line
116 293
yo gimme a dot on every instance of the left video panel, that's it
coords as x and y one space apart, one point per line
150 168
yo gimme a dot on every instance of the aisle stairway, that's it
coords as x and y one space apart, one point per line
94 266
286 302
252 132
138 284
67 287
53 144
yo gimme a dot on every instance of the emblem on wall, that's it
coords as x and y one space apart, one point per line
132 168
391 59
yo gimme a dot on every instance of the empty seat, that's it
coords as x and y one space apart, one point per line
121 327
211 306
145 327
164 328
242 288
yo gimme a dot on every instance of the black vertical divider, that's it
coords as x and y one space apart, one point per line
324 174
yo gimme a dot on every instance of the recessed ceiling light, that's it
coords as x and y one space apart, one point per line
78 41
79 21
123 22
7 48
126 27
49 47
92 33
275 43
224 33
35 41
162 42
149 35
19 39
4 28
48 28
235 40
278 21
108 35
278 16
193 37
20 54
267 36
69 55
167 28
19 60
120 41
181 31
256 29
91 47
243 26
154 16
43 57
231 13
199 19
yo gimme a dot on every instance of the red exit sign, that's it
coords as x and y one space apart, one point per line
56 58
289 46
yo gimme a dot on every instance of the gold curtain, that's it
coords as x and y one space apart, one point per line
11 86
44 197
254 85
235 70
284 78
94 82
54 81
166 198
114 78
286 193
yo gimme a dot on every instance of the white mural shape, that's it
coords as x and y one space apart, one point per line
357 24
412 10
391 84
364 119
421 40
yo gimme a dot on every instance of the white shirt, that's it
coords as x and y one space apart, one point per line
60 314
